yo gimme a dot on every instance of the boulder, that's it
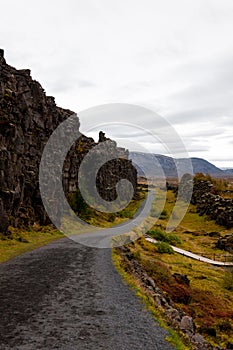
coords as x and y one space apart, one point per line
225 243
187 324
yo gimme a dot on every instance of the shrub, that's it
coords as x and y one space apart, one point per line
180 294
158 271
164 247
147 246
77 202
173 239
161 236
79 205
209 331
225 325
163 215
111 217
126 213
158 234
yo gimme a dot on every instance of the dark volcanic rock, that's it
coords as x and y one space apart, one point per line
27 119
4 223
225 243
216 207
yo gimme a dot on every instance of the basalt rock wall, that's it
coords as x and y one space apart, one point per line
27 119
216 207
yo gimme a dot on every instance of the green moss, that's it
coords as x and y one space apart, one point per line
20 241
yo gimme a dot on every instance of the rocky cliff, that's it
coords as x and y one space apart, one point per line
27 119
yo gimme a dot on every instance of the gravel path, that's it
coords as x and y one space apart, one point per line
67 296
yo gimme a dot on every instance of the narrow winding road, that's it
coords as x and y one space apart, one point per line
67 296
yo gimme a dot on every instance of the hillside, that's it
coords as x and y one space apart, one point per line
151 164
228 171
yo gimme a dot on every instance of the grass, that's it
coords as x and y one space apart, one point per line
162 236
174 338
21 241
102 219
211 304
193 230
209 298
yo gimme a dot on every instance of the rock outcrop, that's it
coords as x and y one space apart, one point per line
216 207
27 119
225 243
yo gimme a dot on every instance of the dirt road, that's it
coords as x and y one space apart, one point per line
67 296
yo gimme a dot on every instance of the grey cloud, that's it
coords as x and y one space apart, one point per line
195 134
197 149
209 97
223 158
204 114
86 83
66 85
226 120
179 60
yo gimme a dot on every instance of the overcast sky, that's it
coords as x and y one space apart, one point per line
172 56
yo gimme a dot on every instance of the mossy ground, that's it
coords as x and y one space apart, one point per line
206 299
193 231
19 241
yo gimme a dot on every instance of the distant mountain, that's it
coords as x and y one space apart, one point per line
203 166
228 171
155 164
